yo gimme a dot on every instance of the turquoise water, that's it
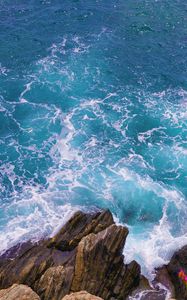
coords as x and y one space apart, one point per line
93 113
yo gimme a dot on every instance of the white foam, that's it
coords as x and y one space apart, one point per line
143 136
3 71
154 248
34 216
27 88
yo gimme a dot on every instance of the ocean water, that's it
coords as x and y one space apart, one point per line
93 113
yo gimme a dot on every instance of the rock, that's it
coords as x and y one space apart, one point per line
78 226
142 288
18 292
31 265
177 263
153 295
144 283
54 283
162 276
167 282
33 260
15 251
86 254
160 289
83 295
99 267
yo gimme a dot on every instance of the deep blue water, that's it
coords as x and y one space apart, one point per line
93 113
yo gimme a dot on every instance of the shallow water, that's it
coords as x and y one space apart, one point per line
93 113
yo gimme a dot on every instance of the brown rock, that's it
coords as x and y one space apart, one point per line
99 267
18 292
83 295
86 254
142 288
178 262
160 289
144 283
15 251
78 226
54 283
32 261
162 276
31 265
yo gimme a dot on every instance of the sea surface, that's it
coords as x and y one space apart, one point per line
93 113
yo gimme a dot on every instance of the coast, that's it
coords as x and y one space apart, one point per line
84 260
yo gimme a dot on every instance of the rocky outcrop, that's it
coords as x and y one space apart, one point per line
163 277
168 282
32 264
55 283
113 279
18 292
86 254
83 295
79 226
84 261
161 287
142 289
33 260
177 263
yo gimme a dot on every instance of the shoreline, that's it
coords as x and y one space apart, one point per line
86 254
130 243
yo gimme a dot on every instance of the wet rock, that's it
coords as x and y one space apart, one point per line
99 267
142 288
18 292
15 251
144 283
154 295
160 289
83 295
163 277
177 263
78 226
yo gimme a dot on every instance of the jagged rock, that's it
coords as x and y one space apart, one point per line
18 292
33 260
31 265
144 283
99 267
15 251
177 263
142 288
83 295
153 295
55 283
160 288
162 276
86 254
78 226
